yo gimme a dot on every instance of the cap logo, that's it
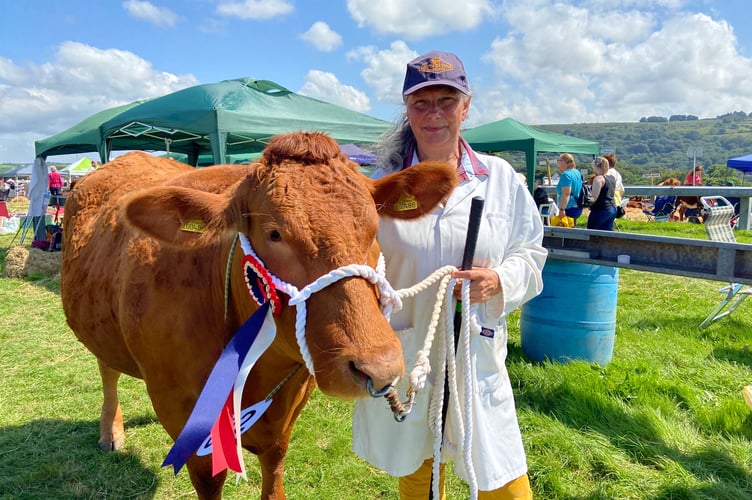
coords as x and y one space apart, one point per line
435 65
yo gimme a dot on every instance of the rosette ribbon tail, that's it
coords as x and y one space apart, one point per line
214 396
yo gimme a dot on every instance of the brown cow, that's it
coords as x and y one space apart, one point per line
148 299
683 203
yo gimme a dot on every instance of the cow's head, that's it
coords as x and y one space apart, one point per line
306 211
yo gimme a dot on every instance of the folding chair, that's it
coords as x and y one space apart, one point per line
663 207
548 210
718 212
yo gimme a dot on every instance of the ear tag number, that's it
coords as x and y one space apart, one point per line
406 202
193 226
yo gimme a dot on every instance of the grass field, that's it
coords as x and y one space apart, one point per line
664 420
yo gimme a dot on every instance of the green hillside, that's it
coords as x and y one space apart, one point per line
662 146
655 145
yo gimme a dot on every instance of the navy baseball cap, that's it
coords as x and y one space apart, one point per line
435 68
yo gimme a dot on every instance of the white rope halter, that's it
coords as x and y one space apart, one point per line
389 300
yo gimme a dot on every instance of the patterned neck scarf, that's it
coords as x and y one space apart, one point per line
469 166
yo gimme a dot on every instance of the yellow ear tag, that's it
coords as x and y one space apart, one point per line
193 226
406 202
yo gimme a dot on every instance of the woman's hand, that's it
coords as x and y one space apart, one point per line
484 284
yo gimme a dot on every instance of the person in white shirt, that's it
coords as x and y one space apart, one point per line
506 272
612 172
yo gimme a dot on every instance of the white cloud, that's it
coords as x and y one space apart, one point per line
326 87
321 36
417 19
385 69
146 11
255 9
43 99
598 63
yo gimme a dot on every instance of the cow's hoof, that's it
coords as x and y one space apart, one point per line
111 445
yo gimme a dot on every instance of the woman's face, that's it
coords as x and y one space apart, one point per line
436 115
562 164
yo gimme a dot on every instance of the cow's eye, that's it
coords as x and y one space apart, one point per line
275 236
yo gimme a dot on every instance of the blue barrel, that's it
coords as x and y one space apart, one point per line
575 315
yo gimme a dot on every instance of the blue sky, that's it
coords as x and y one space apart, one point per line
538 61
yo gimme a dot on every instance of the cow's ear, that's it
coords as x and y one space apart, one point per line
177 216
415 191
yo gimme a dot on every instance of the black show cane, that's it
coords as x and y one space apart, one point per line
473 226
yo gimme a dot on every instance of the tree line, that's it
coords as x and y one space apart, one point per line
669 147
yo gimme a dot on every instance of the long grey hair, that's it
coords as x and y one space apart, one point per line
394 145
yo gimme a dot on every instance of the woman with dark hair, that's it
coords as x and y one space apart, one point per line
694 177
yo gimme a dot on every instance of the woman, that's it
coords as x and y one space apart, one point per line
506 273
694 177
619 183
568 188
5 188
603 209
54 181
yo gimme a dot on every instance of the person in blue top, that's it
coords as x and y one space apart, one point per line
568 188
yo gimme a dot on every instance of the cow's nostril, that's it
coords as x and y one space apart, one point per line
381 392
360 376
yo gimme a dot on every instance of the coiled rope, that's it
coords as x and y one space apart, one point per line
447 371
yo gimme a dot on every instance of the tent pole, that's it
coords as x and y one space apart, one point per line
531 156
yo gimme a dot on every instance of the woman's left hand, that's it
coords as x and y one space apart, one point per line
484 284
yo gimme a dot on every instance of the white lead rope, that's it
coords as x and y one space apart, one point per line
447 371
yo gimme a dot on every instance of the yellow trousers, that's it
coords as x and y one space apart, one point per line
417 486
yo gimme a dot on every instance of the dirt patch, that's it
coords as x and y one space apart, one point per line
21 262
635 214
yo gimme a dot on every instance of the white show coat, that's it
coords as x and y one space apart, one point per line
510 242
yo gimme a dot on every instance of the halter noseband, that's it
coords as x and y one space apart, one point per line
389 300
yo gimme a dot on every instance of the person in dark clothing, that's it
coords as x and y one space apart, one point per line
603 209
540 195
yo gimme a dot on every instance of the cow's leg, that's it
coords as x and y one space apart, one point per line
206 486
272 468
173 406
111 431
293 396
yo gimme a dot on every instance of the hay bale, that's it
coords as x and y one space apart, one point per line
21 262
19 200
